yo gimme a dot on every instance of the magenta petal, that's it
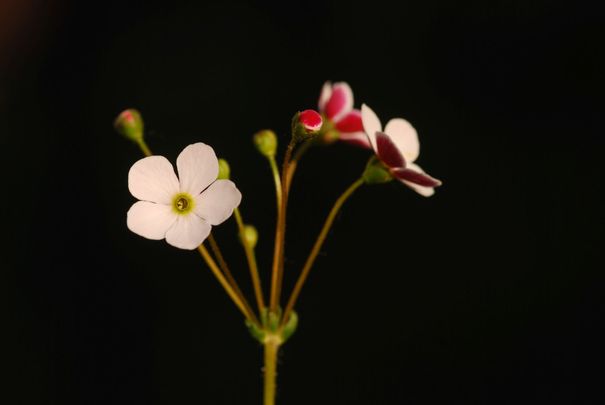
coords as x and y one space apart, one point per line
356 138
387 151
422 179
351 122
341 101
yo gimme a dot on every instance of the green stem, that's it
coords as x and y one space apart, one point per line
276 180
270 370
222 264
252 265
144 148
316 247
280 234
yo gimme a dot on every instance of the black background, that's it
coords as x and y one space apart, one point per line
490 292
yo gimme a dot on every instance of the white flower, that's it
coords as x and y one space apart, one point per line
182 209
398 147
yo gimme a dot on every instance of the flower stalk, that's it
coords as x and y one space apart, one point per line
229 276
224 283
271 347
280 233
252 265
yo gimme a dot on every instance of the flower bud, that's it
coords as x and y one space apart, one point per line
266 142
224 171
311 120
376 172
249 235
130 124
306 124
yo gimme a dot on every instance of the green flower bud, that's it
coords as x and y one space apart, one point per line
250 235
266 142
130 124
224 171
376 172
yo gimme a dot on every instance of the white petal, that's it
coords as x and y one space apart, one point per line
153 179
424 191
198 168
326 93
150 220
218 201
371 124
188 232
405 137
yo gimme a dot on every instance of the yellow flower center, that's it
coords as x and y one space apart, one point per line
182 203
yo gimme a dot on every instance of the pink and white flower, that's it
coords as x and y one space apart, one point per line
182 210
336 104
398 147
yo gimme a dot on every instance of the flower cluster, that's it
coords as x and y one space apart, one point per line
397 146
183 208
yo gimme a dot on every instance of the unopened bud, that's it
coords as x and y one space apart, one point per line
376 172
266 142
311 120
305 124
130 124
249 235
224 171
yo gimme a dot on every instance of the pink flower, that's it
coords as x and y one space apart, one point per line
336 104
398 147
180 209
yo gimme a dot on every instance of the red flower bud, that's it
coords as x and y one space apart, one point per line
311 120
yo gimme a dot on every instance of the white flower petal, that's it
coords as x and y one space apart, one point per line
371 124
153 179
405 137
198 168
188 232
326 93
218 201
150 220
423 191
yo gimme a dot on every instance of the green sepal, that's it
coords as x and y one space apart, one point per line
376 172
290 326
256 332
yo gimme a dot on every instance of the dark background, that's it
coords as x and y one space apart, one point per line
490 292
